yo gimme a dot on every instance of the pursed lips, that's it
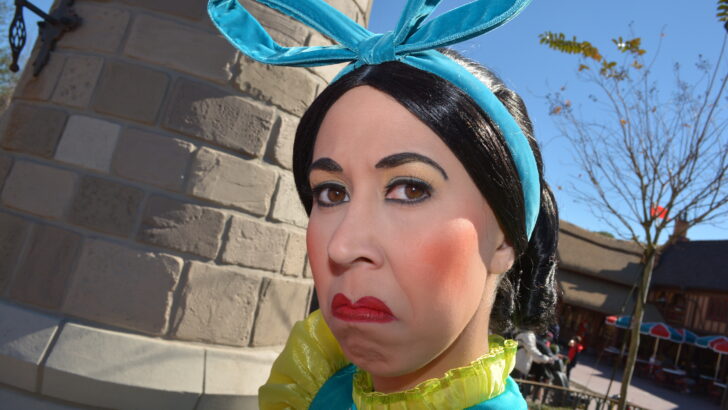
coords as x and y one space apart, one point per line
366 309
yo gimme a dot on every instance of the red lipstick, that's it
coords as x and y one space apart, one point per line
366 309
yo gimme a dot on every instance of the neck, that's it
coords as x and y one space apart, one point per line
468 347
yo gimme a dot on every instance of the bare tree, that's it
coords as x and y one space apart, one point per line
650 158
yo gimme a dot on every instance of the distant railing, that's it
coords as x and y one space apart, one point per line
547 396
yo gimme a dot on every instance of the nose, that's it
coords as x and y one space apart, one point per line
356 239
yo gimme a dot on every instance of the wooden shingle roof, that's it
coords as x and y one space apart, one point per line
597 255
693 265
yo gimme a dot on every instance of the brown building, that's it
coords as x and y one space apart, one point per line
599 276
690 288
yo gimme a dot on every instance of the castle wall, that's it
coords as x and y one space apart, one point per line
152 245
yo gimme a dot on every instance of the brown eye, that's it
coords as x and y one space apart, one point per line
413 191
408 191
330 194
335 195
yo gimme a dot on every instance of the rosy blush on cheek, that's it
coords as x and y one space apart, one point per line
449 258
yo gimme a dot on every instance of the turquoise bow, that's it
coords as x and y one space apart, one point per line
413 42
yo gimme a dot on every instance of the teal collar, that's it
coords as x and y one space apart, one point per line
413 42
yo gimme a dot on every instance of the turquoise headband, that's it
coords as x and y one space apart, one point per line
413 42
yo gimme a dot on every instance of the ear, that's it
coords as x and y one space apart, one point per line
503 257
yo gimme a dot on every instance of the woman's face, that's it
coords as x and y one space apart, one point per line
404 249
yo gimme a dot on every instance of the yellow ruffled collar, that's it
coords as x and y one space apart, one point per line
463 387
312 355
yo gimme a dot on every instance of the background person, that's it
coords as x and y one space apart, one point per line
575 348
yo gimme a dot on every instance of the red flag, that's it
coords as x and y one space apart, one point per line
658 211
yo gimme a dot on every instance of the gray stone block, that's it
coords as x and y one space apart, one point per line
181 48
232 378
12 238
122 371
34 130
363 5
210 114
348 7
184 227
77 81
328 72
152 158
318 39
307 273
6 162
14 399
38 189
106 206
295 256
24 338
282 304
218 305
130 91
41 87
45 272
191 9
232 181
255 244
289 88
102 30
283 148
228 402
287 207
285 30
124 287
88 142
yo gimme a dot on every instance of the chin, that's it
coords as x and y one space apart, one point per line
369 356
378 367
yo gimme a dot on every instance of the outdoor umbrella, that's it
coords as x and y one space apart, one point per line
709 341
659 331
720 347
619 321
687 337
716 343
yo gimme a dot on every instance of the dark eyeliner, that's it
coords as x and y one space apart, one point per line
316 191
410 181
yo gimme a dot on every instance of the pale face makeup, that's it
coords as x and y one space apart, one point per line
405 251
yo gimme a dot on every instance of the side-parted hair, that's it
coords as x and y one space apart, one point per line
526 294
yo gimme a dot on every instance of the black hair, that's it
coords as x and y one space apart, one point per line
526 294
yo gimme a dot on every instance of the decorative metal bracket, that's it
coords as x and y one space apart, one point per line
60 20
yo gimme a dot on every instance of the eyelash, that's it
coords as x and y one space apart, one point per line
409 181
318 190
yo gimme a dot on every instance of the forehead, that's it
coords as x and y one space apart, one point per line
370 124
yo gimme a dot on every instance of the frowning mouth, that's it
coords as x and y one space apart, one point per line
366 309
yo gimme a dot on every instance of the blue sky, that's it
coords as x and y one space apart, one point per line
533 70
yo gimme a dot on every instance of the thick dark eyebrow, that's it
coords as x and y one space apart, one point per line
325 164
396 160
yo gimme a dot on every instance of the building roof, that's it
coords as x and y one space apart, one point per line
693 265
597 255
602 296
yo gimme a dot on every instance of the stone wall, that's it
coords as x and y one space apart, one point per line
151 238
